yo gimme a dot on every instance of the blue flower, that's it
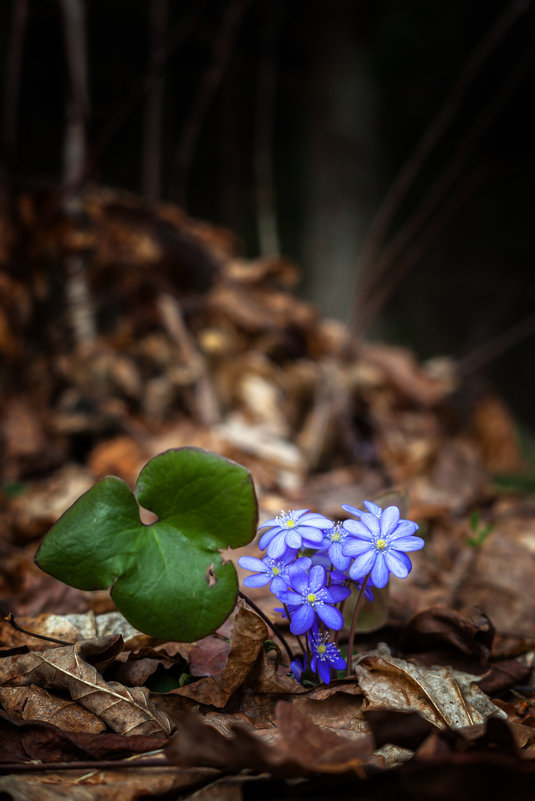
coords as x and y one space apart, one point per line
325 655
378 544
311 597
272 570
370 506
298 529
298 666
333 542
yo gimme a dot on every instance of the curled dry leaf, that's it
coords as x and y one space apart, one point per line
72 627
441 627
104 785
445 697
125 710
248 635
32 703
301 748
45 742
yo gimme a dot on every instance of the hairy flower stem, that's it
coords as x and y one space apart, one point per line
337 633
268 622
351 638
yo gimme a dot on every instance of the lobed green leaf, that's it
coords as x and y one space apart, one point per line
167 578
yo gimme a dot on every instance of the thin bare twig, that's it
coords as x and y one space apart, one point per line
448 176
402 266
268 238
209 85
446 114
497 346
102 764
206 403
79 301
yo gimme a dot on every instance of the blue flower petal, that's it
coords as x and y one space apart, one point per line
380 572
371 522
352 510
337 661
277 546
318 578
337 558
302 619
316 521
331 616
266 538
298 666
290 598
353 547
338 593
373 508
324 671
309 533
408 544
274 521
298 579
363 564
252 563
404 529
319 558
357 529
277 586
258 580
389 520
398 563
293 538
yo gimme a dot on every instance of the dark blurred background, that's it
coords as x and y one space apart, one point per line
386 147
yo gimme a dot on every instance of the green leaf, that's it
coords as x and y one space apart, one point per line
167 578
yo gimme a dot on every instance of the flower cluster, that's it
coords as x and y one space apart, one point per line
312 563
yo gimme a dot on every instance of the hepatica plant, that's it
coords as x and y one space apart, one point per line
169 580
313 563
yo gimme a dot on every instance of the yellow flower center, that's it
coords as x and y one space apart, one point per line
311 598
381 544
290 523
335 537
321 649
275 571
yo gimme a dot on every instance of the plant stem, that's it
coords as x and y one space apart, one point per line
337 633
11 620
268 622
351 638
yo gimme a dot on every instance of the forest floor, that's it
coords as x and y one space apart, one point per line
191 345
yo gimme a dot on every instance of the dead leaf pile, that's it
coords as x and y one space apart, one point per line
245 716
197 346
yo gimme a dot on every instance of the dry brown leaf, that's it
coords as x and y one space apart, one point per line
104 785
124 710
248 635
32 704
301 747
507 594
399 367
73 627
445 697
